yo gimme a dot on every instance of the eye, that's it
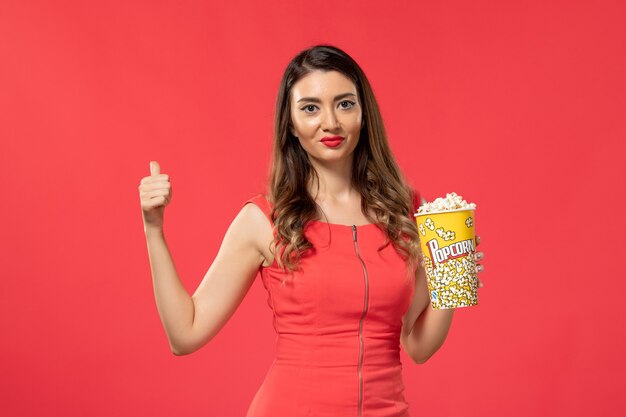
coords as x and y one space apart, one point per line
349 106
349 102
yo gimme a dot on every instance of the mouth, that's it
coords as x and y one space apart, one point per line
332 141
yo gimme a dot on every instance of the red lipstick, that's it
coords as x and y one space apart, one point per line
332 141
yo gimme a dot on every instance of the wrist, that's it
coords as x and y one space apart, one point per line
151 231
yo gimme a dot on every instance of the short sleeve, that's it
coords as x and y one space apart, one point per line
262 202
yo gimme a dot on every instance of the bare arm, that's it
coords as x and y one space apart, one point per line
173 302
424 329
190 322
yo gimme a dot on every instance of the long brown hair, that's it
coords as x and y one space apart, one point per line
375 173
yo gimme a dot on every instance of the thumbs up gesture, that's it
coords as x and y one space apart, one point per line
155 192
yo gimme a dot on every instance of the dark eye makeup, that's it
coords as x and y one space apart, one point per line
352 103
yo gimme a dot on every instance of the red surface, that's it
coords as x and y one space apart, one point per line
518 107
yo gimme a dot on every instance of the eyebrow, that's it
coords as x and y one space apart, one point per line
317 100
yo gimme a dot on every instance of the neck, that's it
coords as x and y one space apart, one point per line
335 181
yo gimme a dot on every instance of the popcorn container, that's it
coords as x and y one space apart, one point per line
448 243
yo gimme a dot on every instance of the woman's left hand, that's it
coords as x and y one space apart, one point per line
479 256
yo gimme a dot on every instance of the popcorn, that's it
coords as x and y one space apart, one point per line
447 242
452 201
451 286
445 234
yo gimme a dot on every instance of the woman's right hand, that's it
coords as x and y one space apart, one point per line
155 192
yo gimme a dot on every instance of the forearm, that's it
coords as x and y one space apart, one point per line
429 332
175 306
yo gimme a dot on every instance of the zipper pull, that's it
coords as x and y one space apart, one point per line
354 232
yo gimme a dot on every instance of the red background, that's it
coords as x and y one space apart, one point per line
517 106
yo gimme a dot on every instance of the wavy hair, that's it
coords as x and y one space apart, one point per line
375 174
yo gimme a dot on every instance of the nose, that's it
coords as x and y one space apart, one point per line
330 121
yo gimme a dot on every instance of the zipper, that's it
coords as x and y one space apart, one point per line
365 305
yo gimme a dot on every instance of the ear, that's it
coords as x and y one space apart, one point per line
293 131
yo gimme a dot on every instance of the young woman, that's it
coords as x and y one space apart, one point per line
337 248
